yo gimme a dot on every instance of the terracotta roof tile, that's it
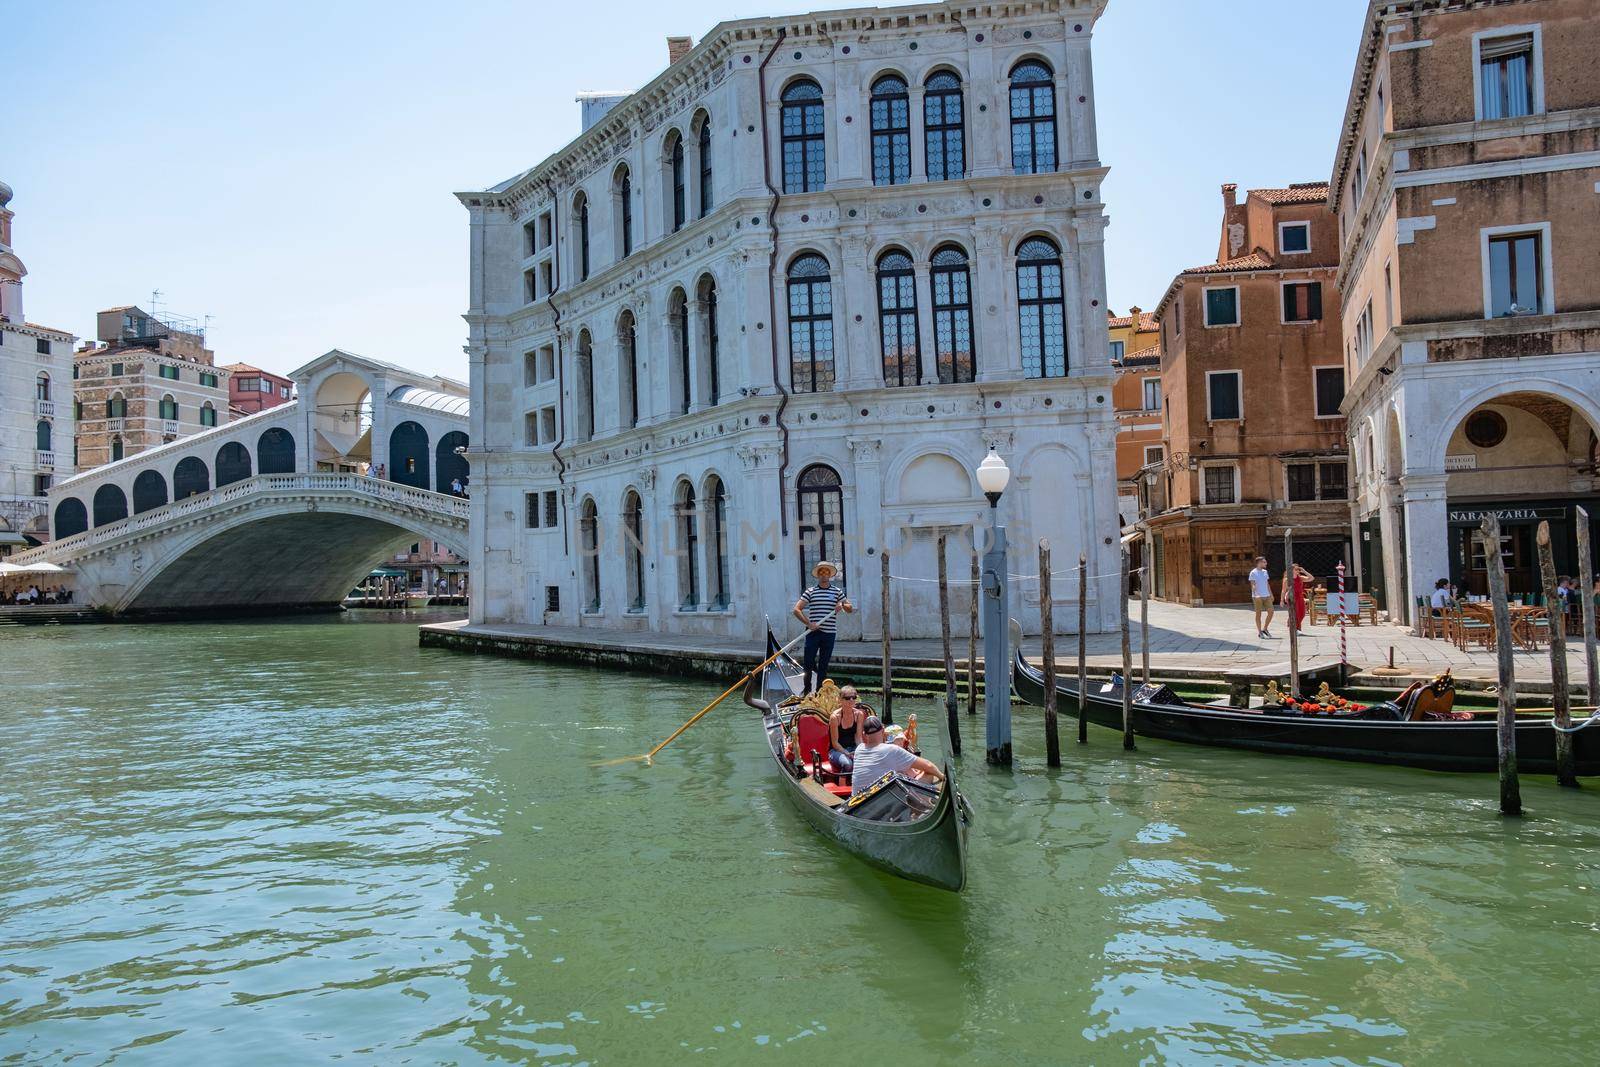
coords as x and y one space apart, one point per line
1254 261
1299 193
1147 321
1145 357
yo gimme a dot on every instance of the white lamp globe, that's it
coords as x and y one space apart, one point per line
993 477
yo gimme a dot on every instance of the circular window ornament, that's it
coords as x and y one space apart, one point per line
1486 429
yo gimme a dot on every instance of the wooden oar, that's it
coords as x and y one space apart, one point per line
649 757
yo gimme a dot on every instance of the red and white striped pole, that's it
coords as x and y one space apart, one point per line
1344 662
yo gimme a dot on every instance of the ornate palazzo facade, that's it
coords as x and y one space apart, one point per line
775 306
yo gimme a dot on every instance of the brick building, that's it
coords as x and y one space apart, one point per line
1136 398
251 389
1467 188
1252 378
149 380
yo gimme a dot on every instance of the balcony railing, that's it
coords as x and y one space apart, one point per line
115 425
44 460
169 427
45 409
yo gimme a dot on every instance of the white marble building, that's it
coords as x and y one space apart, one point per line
775 306
36 414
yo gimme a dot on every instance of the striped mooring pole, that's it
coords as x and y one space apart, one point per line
1344 661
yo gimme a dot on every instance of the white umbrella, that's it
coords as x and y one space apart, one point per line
32 568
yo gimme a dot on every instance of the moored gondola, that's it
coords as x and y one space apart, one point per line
914 829
1394 733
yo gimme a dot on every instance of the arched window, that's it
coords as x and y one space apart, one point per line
810 325
680 178
408 454
1042 309
580 212
628 368
189 478
633 549
891 131
71 518
951 282
117 407
110 505
41 436
708 318
820 531
275 451
169 408
678 320
897 318
688 523
149 491
625 212
208 414
449 465
943 125
116 449
589 545
804 155
583 402
717 544
233 463
1033 118
41 387
704 143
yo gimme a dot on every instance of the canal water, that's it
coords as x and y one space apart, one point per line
290 842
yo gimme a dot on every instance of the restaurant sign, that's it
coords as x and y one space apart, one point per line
1473 516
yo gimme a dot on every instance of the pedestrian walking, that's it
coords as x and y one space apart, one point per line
1261 596
819 607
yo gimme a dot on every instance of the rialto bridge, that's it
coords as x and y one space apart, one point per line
285 509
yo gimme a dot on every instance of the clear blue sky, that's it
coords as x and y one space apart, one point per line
287 167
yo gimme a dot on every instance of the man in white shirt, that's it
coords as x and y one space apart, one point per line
1261 596
875 758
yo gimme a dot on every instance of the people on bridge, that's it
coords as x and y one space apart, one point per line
455 487
876 757
819 607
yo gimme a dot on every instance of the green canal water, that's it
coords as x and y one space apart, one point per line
296 842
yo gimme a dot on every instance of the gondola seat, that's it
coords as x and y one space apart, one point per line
811 734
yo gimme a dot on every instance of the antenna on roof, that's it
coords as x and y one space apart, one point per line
155 299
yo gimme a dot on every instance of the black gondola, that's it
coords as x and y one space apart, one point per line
913 829
1448 745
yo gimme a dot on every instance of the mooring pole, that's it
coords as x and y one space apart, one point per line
1586 591
1506 693
1561 694
996 658
887 669
1047 639
1144 607
1344 657
1083 646
972 635
944 634
1294 614
1127 657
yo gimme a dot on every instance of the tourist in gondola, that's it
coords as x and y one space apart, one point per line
875 758
844 726
818 608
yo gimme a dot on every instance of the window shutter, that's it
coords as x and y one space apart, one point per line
1314 301
1506 46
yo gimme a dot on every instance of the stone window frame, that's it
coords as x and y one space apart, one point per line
1316 388
1534 29
1304 224
1205 307
1205 500
1283 285
1547 298
1239 379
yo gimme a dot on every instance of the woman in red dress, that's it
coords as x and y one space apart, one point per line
1295 585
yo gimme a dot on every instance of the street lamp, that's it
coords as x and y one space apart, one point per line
993 477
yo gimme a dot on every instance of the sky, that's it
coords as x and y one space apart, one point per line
287 168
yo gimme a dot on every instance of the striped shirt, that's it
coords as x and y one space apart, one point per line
819 602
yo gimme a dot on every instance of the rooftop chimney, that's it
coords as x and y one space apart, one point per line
677 48
1229 199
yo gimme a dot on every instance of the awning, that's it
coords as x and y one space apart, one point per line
11 537
1133 536
31 568
385 572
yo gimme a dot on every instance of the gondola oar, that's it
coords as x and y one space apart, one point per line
648 757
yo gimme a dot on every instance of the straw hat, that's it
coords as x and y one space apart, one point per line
824 570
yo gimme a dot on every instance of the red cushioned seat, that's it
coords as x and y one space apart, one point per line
812 731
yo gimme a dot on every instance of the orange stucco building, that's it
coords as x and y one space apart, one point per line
1136 396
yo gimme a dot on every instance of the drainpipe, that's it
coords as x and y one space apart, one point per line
772 272
561 378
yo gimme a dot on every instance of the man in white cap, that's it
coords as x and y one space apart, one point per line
819 607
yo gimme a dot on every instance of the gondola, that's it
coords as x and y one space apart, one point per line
1385 733
910 828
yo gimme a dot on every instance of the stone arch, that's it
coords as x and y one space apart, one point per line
681 386
110 505
275 451
71 518
583 387
408 455
635 554
448 465
233 463
190 478
149 491
341 418
1432 452
708 374
686 534
934 477
714 535
589 554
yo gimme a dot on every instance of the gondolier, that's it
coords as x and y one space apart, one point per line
819 607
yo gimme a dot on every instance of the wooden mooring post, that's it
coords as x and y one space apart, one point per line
1083 646
1144 608
949 656
1506 693
1293 613
1560 691
972 637
1047 639
1586 591
887 669
1127 656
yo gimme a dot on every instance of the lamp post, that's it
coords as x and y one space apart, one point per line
993 477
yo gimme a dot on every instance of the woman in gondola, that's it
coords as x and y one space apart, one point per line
844 727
